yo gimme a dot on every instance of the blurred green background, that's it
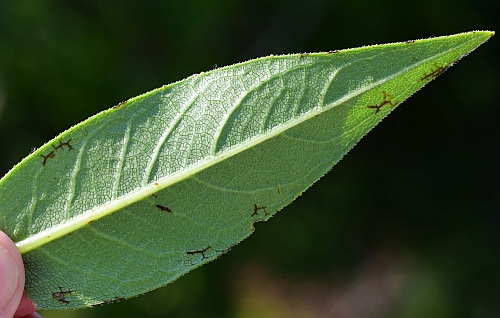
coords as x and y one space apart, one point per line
407 225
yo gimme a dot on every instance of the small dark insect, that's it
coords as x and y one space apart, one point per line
163 208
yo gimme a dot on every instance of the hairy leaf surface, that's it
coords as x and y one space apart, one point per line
138 195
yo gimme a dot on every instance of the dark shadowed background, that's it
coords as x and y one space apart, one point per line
407 225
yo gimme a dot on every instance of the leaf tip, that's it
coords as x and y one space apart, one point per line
484 32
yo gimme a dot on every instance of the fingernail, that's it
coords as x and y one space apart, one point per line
9 277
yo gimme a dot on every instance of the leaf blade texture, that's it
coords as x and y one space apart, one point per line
140 194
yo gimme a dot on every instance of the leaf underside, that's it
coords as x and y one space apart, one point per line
138 195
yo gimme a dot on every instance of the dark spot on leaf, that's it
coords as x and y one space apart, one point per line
47 157
435 72
388 100
56 147
410 41
333 52
256 210
62 144
200 252
61 295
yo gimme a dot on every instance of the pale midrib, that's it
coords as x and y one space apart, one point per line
94 214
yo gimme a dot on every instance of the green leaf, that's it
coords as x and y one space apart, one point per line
138 195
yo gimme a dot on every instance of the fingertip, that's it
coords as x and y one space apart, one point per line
33 315
13 252
11 276
26 307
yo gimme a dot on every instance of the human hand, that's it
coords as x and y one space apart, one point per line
13 301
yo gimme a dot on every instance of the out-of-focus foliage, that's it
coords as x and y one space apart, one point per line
416 238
